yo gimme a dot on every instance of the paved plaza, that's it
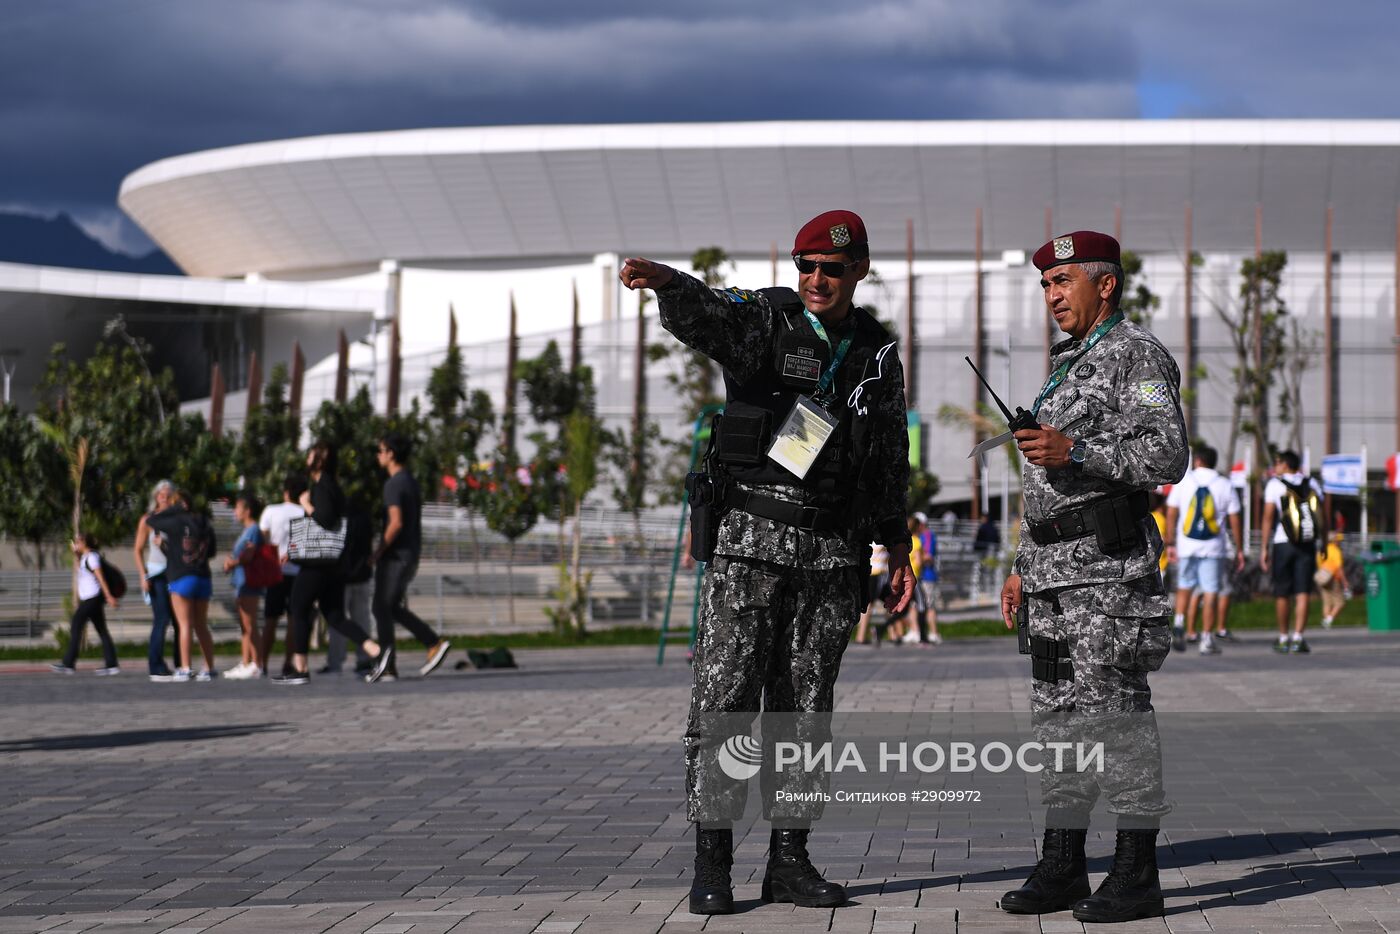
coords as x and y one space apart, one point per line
550 799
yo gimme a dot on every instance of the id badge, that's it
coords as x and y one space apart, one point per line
801 439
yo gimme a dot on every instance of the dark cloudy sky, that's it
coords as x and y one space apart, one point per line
92 89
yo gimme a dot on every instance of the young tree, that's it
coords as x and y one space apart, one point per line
1299 355
583 440
33 509
1255 323
506 496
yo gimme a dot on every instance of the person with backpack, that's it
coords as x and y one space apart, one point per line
94 590
1200 510
189 542
1293 509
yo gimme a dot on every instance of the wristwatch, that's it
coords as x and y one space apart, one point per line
1077 450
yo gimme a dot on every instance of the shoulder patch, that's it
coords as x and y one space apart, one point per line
1084 371
740 296
1153 393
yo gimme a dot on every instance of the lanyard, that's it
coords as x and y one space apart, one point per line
824 383
1058 377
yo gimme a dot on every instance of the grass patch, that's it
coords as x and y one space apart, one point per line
1252 614
622 635
1257 614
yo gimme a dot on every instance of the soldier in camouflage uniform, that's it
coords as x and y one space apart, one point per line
1086 578
784 587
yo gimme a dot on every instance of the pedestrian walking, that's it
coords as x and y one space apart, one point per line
1203 517
1293 513
322 586
94 595
396 559
275 523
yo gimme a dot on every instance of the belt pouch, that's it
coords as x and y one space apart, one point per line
745 435
702 494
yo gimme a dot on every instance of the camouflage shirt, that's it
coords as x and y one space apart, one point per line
738 330
1123 399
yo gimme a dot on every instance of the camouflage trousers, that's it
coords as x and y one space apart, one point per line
1116 633
772 636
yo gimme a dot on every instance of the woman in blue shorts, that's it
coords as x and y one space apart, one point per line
189 542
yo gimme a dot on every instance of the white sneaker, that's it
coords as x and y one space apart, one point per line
910 637
1208 646
1326 622
241 672
936 639
180 675
107 672
208 674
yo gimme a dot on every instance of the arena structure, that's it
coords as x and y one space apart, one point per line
297 239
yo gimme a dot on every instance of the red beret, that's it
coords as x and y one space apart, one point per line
1082 246
831 232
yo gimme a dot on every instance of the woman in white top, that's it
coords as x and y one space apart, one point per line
150 565
93 592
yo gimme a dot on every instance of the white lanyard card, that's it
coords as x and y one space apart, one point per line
800 441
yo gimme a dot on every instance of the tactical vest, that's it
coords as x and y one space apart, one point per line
755 410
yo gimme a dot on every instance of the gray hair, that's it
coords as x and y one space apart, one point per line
1097 270
155 491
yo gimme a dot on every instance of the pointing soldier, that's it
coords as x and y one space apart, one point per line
809 462
1110 429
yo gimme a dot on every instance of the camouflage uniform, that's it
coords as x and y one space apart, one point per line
1122 398
778 603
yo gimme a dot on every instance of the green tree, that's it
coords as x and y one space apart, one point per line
111 407
1139 302
583 441
33 509
268 449
354 429
457 420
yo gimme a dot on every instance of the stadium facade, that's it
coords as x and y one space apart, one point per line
296 239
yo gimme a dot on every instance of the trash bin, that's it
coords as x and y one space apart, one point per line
1383 586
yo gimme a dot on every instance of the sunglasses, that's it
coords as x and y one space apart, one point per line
831 269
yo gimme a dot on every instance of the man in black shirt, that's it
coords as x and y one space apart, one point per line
396 559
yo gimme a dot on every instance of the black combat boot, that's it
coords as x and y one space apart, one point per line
1131 890
711 892
1060 879
791 877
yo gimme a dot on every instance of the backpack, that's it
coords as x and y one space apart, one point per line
1202 519
116 580
1300 512
265 568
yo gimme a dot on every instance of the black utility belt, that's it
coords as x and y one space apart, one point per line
1113 520
806 518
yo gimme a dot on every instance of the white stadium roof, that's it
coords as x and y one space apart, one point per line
332 202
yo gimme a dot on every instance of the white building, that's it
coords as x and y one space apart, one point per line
297 238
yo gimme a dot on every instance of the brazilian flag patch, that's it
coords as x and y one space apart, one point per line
740 296
1153 393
